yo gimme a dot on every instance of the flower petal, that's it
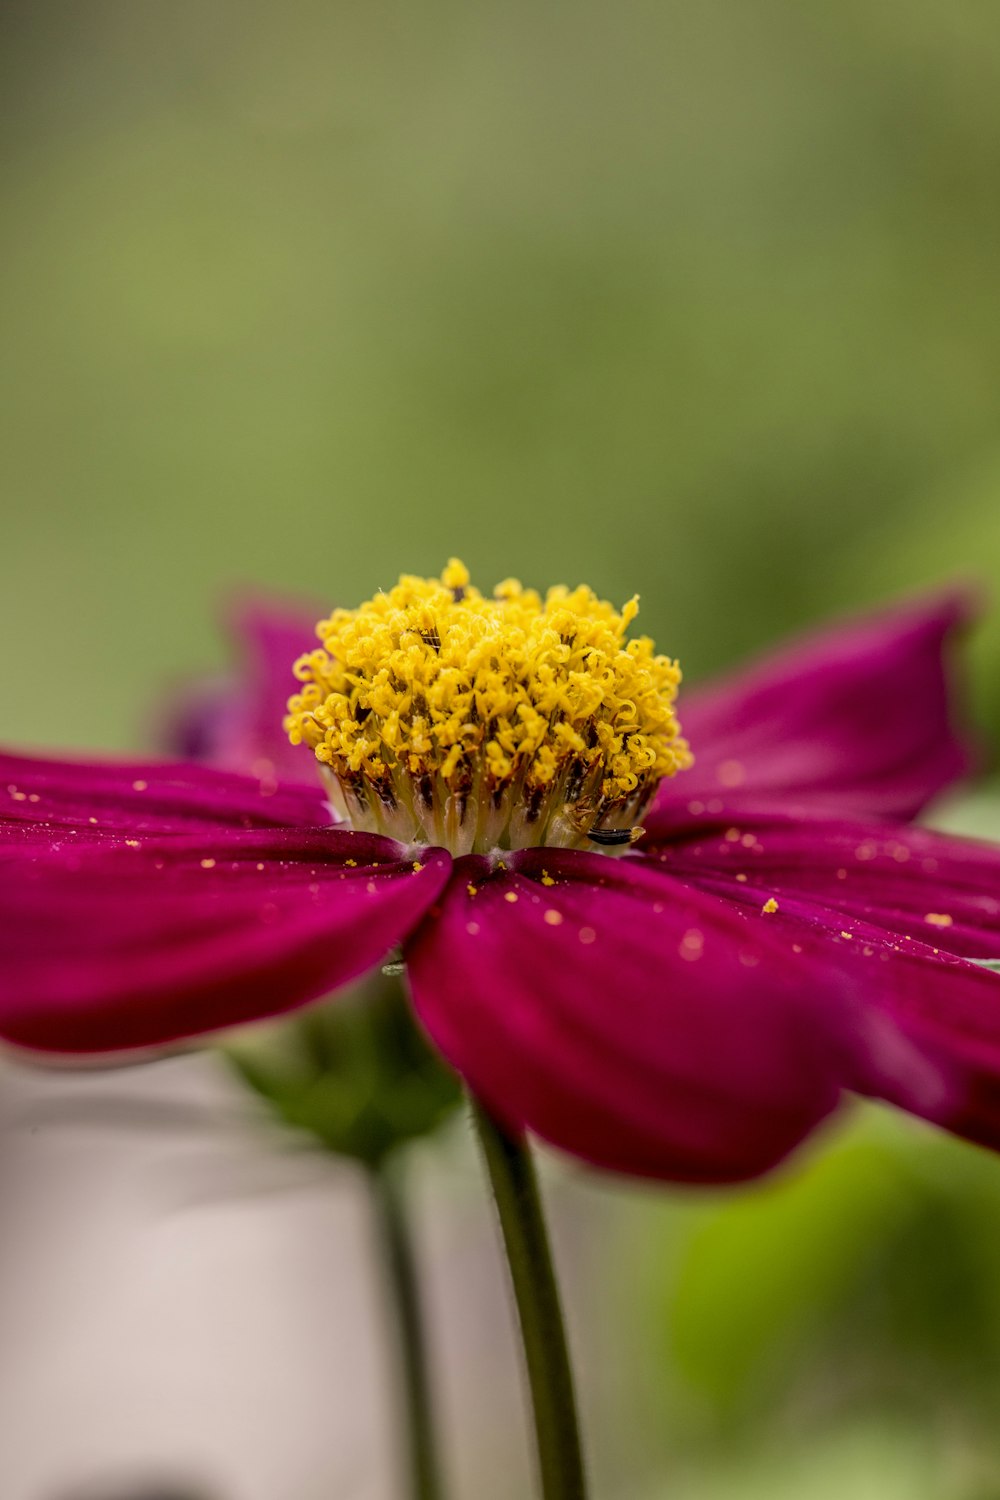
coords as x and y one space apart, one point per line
632 1021
236 722
44 799
927 1030
107 949
858 718
941 890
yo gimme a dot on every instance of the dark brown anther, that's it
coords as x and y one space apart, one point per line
610 838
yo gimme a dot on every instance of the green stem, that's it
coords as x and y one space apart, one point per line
401 1275
519 1206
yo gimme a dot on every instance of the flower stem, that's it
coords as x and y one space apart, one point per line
398 1255
522 1223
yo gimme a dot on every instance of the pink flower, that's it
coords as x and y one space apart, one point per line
689 1010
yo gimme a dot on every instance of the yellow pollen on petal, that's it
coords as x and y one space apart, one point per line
770 905
547 878
208 864
417 867
553 917
510 896
938 919
440 715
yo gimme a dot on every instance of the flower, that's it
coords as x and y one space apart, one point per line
689 1008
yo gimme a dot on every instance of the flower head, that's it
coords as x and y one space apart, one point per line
688 1010
441 717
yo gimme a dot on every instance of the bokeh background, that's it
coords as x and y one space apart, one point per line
696 300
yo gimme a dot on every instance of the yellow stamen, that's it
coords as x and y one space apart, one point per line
441 716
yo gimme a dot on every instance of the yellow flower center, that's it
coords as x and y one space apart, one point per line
439 716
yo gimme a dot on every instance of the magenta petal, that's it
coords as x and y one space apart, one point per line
236 723
43 799
933 1034
926 1021
858 718
109 949
943 891
626 1018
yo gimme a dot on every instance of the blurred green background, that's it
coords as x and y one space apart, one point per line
696 300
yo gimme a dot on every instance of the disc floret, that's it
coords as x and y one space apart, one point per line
440 716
